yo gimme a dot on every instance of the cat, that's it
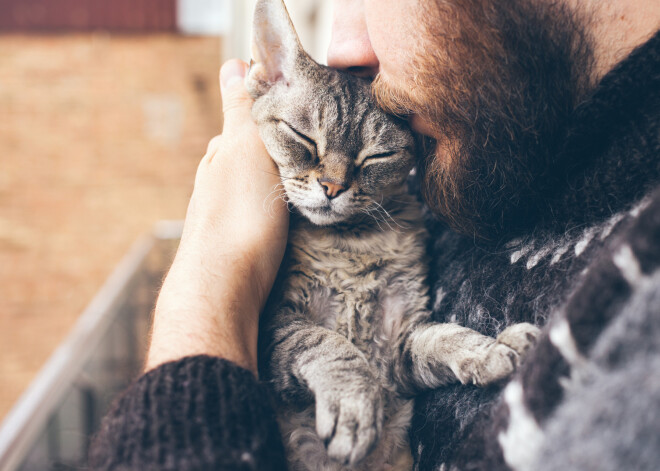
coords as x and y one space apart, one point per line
346 339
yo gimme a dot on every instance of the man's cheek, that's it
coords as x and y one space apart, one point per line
392 25
424 127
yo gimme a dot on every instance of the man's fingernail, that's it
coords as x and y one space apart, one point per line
231 73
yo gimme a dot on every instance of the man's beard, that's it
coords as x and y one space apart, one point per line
499 85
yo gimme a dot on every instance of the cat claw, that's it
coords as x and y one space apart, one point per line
349 422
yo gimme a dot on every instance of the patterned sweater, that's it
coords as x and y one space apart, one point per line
587 268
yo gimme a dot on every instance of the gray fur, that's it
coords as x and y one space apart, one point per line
346 337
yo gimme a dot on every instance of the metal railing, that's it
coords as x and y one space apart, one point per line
51 425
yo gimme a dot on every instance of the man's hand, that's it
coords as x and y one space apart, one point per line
233 242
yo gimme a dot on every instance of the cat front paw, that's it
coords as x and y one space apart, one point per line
520 338
349 420
502 356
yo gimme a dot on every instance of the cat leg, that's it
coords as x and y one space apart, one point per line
432 355
348 409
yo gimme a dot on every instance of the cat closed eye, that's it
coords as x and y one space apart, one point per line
381 155
306 140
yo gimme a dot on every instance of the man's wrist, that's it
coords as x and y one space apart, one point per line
205 313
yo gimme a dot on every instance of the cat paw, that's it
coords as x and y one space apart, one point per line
349 421
520 338
502 356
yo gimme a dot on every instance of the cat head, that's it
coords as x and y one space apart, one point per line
337 153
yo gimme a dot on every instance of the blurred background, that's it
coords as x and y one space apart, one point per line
106 107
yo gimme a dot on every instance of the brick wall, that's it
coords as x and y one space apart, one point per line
87 15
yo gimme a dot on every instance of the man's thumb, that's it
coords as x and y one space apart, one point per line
235 98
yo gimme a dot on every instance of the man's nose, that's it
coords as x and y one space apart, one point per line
350 48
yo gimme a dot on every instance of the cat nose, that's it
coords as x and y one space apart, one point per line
330 188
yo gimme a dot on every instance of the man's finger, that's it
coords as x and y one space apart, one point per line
236 101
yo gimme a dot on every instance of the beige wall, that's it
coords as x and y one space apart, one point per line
312 19
96 150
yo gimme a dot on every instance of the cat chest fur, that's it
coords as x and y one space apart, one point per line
367 285
362 284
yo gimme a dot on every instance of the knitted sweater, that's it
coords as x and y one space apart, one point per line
588 269
199 413
590 256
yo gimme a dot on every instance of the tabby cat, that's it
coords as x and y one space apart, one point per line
346 340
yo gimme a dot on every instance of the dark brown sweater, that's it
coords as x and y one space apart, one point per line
199 413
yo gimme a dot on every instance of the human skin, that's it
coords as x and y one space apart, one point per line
232 245
233 242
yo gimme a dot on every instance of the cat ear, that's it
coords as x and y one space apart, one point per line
276 49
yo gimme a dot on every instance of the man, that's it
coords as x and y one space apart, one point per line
542 120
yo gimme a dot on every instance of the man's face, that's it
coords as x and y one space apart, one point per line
371 37
491 85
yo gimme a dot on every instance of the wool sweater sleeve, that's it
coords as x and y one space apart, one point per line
198 413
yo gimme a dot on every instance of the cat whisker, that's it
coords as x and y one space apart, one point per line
368 213
280 193
389 198
381 208
286 201
384 219
279 188
378 216
284 197
278 175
